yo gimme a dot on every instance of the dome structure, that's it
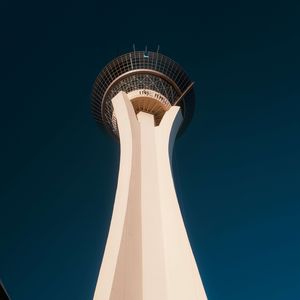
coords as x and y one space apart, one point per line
153 81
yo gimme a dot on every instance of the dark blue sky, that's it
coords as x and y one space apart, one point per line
236 167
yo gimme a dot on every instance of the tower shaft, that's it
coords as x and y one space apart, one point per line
147 254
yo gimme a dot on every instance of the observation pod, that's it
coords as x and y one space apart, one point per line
145 99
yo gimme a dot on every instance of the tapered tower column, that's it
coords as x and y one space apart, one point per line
147 255
145 100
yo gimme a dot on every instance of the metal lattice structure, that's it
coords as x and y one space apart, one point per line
140 70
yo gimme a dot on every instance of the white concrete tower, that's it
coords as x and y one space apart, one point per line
144 99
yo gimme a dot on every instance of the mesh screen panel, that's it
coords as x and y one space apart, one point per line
134 71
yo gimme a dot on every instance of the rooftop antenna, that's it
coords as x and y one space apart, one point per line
146 54
156 55
131 63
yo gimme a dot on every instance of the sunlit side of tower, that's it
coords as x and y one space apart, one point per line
145 100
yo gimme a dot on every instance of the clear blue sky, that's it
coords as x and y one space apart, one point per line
237 167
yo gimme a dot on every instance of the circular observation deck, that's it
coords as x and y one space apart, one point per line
153 82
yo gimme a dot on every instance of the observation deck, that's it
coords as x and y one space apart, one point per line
153 82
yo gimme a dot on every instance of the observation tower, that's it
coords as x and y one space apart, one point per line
145 99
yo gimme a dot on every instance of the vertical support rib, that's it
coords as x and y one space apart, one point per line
183 279
120 275
153 254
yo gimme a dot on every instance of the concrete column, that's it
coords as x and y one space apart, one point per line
120 274
148 254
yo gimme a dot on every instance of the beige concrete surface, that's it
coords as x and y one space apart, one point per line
147 254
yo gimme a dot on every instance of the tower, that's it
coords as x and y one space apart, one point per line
145 99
